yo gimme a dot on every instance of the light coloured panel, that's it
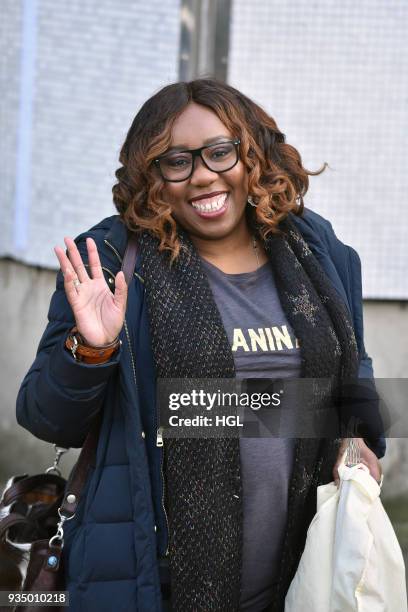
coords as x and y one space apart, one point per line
94 63
334 76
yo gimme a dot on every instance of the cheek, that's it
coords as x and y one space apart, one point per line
173 193
239 178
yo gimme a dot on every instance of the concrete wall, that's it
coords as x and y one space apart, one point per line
26 295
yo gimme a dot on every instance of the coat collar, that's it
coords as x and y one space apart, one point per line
319 235
117 235
312 226
308 224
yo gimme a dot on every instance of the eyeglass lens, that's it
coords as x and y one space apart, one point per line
219 158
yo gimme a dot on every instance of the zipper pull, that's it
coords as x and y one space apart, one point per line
159 438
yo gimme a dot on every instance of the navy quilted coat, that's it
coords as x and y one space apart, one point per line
119 532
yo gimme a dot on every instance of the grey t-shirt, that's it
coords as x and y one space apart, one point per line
264 346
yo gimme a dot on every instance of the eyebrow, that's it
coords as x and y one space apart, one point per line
211 140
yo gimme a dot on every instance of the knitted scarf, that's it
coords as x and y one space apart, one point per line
204 489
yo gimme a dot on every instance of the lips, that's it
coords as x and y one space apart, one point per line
206 196
210 207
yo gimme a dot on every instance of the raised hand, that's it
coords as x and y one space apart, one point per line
99 314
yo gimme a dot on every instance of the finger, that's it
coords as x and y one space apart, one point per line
63 259
76 260
336 476
69 275
343 446
93 258
340 453
120 295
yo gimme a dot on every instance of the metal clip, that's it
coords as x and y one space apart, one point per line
74 346
59 451
60 530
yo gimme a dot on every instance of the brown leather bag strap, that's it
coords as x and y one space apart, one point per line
129 260
79 473
26 485
9 521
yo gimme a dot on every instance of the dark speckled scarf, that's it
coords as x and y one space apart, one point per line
203 475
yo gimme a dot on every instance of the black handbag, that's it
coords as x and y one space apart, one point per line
33 510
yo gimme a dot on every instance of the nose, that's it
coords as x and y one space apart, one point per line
202 175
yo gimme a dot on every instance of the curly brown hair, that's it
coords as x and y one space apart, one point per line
277 180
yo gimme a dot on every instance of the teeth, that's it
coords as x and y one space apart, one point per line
210 205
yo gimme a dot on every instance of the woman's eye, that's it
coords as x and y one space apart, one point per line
219 153
177 162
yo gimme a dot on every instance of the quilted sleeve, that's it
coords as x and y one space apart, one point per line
377 443
59 396
351 277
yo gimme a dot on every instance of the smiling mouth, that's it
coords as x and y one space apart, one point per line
211 204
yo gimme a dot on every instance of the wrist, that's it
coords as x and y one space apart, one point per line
83 341
86 353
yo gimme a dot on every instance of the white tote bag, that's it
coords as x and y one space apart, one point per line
352 561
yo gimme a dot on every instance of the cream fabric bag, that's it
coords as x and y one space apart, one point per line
352 561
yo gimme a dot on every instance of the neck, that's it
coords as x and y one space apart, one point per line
233 253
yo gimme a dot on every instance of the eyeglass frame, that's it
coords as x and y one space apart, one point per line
197 153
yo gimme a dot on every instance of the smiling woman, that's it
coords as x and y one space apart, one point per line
181 130
234 278
211 204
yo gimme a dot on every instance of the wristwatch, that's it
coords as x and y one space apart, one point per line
81 351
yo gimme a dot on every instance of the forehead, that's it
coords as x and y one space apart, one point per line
195 125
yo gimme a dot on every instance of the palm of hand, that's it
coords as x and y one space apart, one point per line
99 314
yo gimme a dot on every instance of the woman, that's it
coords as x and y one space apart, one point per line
225 247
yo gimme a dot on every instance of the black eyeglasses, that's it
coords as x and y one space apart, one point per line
179 165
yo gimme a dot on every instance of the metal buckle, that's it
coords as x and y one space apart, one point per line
60 530
74 346
59 451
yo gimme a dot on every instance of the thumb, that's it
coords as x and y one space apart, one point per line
120 295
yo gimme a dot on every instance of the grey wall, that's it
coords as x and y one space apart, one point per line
74 76
26 294
334 77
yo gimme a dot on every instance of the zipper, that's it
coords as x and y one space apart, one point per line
160 444
114 250
131 352
159 438
159 441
